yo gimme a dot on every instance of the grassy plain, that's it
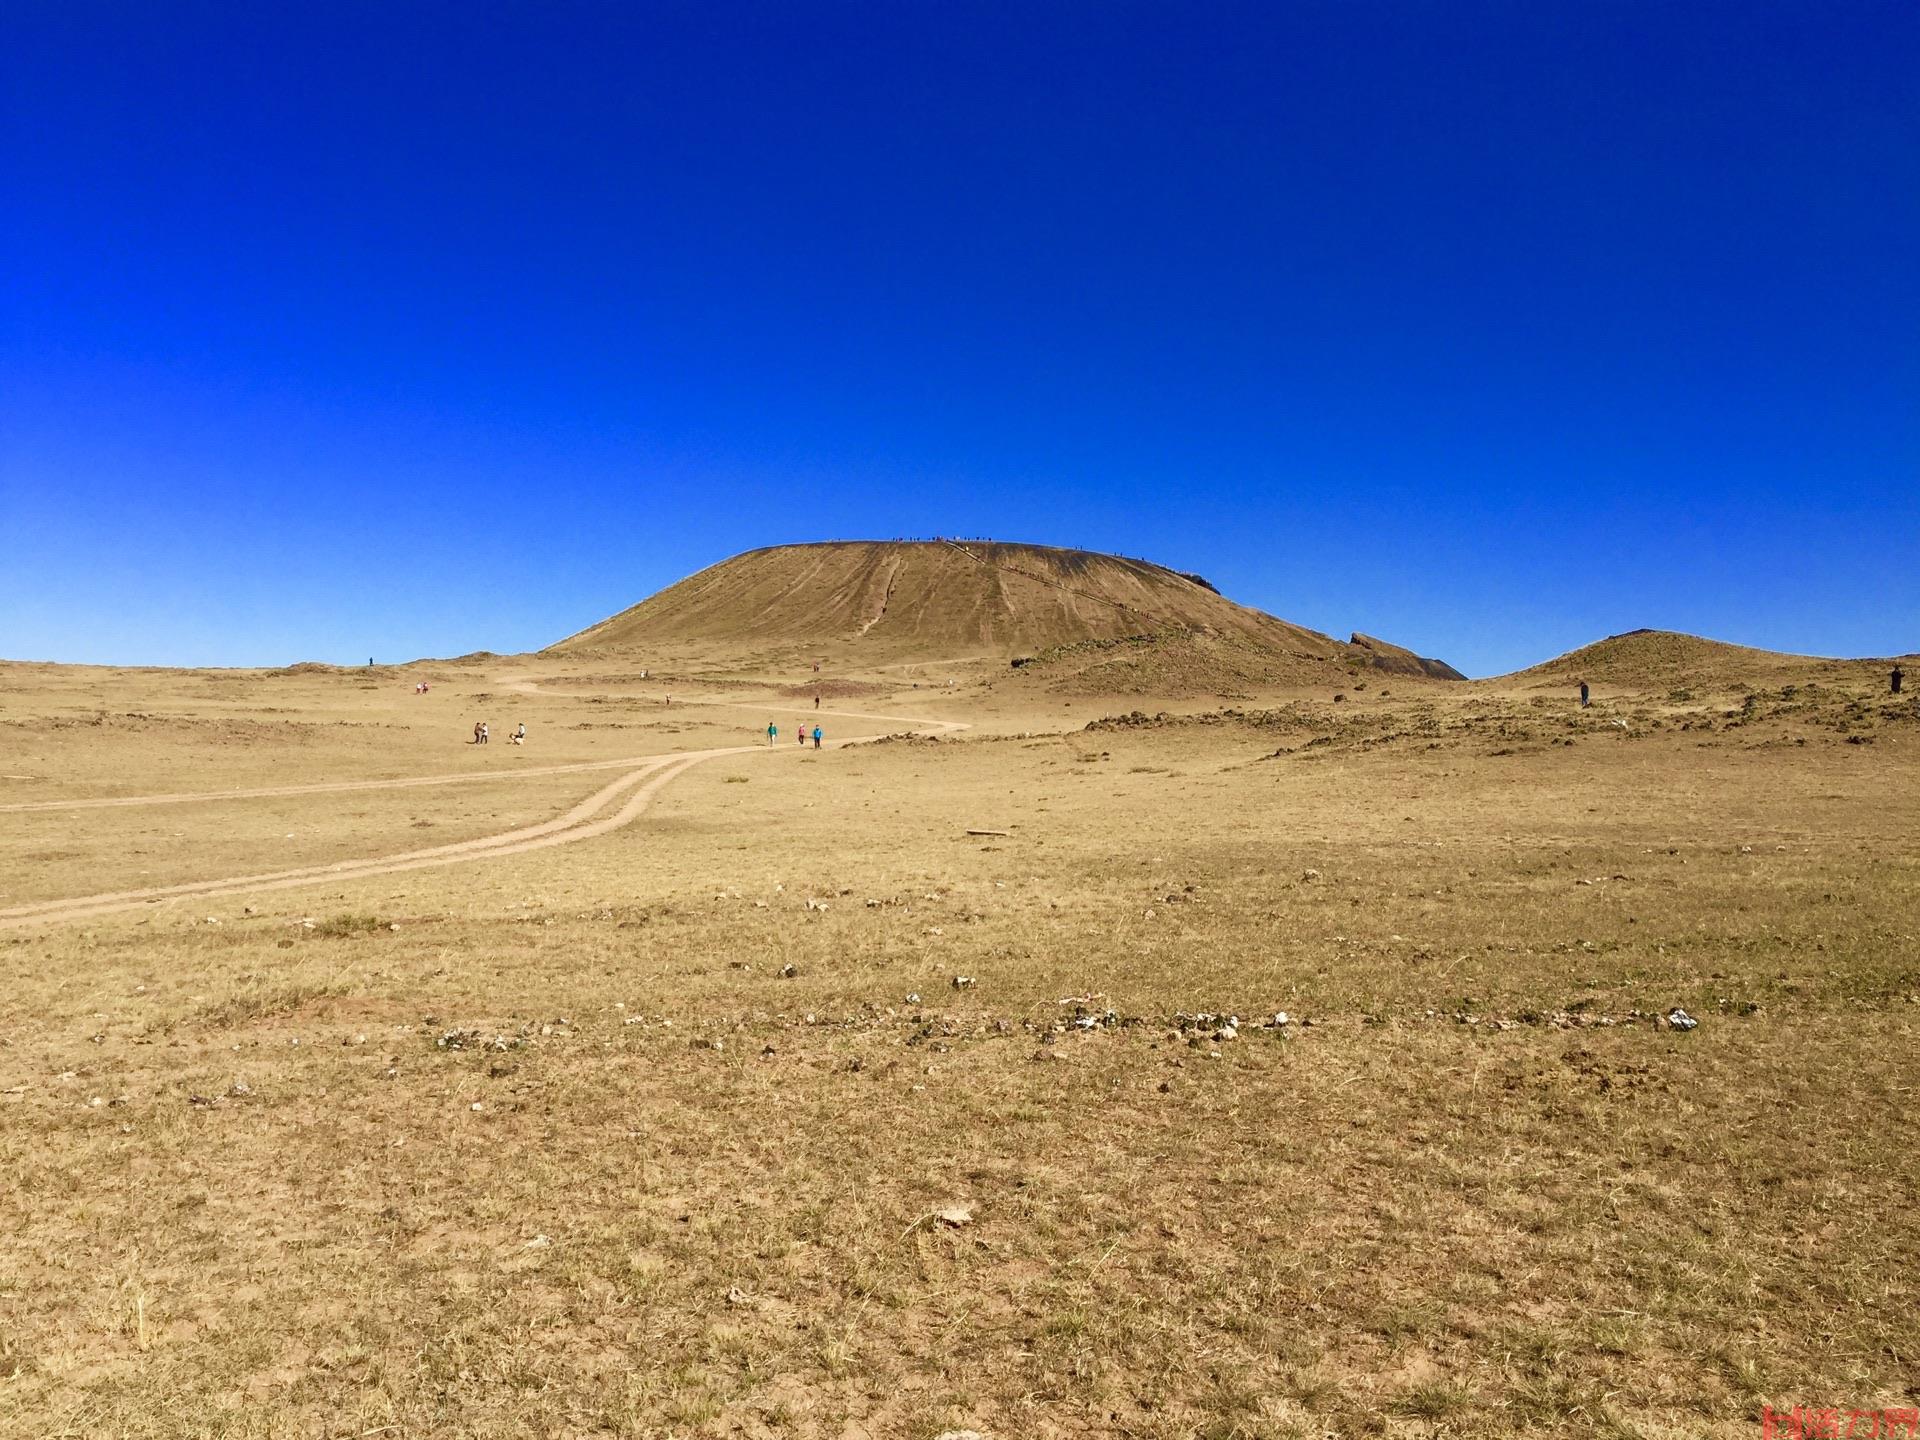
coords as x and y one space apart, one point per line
650 1133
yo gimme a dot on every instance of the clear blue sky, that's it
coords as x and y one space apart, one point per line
346 329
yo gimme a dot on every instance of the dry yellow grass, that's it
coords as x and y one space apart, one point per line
644 1135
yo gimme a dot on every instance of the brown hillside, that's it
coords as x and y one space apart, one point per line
1658 659
1398 660
945 599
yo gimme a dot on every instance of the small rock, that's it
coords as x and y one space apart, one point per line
954 1215
1680 1020
913 998
1310 875
961 982
538 1242
737 1296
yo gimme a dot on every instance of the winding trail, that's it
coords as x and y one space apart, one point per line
646 776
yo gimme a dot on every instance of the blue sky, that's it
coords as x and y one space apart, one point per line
354 329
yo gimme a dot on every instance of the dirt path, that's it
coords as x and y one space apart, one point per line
408 782
583 821
326 787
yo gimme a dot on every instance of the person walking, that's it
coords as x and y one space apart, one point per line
803 734
773 734
816 737
1583 694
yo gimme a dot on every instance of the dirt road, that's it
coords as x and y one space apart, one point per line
589 818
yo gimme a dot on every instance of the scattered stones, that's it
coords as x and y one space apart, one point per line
479 1040
1204 1022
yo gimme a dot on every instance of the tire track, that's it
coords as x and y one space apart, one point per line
583 821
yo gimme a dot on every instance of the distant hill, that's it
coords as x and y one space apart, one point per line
948 599
1661 659
1396 659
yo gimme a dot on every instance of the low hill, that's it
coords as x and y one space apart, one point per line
1398 660
1660 659
949 599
